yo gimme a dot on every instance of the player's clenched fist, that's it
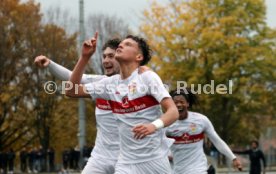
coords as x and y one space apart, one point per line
41 61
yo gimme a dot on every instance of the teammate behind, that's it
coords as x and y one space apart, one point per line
106 150
188 132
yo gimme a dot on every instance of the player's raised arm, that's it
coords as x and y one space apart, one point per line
74 87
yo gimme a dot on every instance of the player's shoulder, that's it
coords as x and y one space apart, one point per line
149 75
116 76
94 76
97 75
112 78
197 116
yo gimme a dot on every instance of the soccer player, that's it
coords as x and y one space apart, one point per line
106 150
188 132
135 100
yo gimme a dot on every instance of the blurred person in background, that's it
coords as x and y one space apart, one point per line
256 155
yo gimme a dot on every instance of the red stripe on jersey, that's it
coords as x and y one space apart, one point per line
187 139
103 104
128 106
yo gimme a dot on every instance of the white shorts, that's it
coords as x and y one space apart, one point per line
158 166
99 166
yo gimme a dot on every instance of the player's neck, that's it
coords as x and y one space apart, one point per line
183 115
127 70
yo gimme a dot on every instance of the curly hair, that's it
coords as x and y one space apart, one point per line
190 97
112 43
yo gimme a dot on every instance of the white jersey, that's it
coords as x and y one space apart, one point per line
107 138
187 150
135 100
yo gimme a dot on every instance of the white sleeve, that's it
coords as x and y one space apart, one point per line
63 73
155 86
100 89
216 140
89 78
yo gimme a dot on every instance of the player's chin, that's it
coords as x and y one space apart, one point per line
110 72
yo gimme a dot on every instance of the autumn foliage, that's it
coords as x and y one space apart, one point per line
228 42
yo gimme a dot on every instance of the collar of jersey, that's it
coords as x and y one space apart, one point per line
130 77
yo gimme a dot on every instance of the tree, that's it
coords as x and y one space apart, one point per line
62 18
26 112
12 48
203 40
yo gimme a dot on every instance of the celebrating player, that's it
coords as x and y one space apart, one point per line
188 132
135 100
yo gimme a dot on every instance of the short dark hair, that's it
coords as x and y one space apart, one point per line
190 97
144 47
112 43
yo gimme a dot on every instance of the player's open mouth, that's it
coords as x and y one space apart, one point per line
108 68
180 110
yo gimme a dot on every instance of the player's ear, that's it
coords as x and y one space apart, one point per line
139 57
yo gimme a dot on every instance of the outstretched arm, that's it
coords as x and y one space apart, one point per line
61 72
220 144
242 152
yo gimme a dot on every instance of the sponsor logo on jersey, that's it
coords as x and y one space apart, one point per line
125 102
193 127
132 88
187 138
128 106
103 104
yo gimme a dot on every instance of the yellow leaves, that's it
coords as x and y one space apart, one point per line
5 97
228 21
23 100
4 126
203 40
8 92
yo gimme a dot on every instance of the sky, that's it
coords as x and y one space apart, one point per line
129 10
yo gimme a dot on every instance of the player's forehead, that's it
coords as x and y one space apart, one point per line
179 98
109 50
129 41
